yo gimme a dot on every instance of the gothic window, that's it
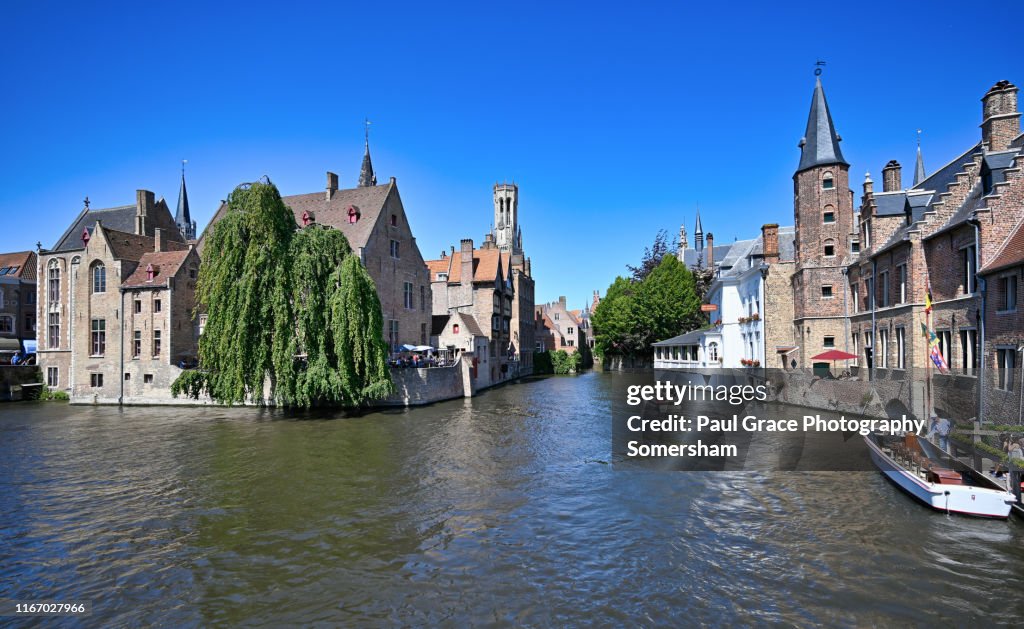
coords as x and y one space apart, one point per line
99 278
53 274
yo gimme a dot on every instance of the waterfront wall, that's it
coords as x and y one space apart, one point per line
13 377
414 387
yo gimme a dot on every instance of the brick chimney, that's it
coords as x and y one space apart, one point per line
488 241
332 184
1000 118
145 204
158 240
770 241
892 179
466 255
711 251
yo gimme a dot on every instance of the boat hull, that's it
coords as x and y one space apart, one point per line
961 499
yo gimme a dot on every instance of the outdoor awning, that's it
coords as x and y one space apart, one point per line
10 345
786 349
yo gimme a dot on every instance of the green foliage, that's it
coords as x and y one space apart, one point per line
563 362
635 314
56 395
558 362
280 306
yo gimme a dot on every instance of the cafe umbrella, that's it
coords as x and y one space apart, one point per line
834 355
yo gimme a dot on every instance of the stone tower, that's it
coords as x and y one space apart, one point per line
507 233
823 212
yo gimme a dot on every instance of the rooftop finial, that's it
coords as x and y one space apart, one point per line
919 174
86 202
183 162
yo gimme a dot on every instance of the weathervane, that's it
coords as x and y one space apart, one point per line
183 162
820 64
919 138
86 202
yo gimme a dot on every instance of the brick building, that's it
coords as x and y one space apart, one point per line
1004 329
503 247
474 288
375 222
566 330
87 307
17 301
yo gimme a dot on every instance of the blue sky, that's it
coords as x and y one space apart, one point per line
615 119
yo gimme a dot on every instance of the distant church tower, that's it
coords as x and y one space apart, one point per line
367 177
182 218
507 233
823 211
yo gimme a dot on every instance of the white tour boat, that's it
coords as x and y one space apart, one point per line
941 483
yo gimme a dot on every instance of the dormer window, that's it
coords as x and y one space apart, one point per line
85 237
442 277
353 214
150 273
827 182
308 218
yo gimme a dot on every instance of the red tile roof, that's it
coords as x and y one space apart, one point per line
1010 254
438 266
165 265
486 263
24 263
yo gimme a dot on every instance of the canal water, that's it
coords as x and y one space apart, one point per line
498 510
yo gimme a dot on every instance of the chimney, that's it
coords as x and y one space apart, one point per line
892 179
466 254
711 251
158 237
770 241
1000 118
145 203
332 184
488 241
869 186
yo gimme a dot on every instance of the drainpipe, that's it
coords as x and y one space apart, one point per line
982 289
874 322
846 312
120 374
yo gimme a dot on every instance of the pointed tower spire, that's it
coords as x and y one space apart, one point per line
919 175
698 233
367 177
182 218
820 144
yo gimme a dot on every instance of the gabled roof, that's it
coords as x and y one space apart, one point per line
165 265
1011 253
437 324
120 218
19 264
470 322
692 256
486 264
939 180
820 144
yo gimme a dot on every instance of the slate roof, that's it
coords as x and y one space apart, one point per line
690 338
691 256
820 144
939 180
118 218
165 264
890 203
24 263
437 324
470 322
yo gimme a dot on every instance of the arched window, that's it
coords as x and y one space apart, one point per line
828 215
53 282
99 278
830 248
827 182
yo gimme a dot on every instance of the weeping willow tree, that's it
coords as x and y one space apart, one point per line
292 308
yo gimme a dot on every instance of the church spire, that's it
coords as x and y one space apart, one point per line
698 233
367 177
182 218
820 144
919 175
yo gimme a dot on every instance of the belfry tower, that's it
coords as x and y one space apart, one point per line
508 235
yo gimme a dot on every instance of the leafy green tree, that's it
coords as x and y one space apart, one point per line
614 320
667 303
283 307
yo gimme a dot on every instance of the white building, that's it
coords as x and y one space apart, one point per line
736 335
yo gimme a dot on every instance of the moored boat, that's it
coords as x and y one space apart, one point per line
934 482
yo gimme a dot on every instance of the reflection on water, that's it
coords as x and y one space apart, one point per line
501 509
